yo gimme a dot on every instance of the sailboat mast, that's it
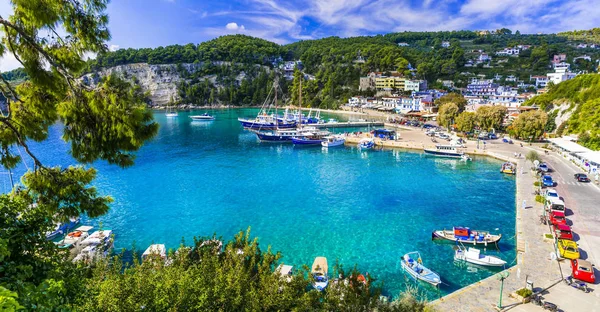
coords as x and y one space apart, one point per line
300 103
276 116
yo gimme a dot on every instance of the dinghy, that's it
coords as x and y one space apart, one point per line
413 265
473 255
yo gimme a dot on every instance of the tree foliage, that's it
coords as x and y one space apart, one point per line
108 121
452 97
490 117
466 121
447 113
530 125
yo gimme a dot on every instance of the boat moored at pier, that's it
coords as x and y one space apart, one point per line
333 140
449 151
473 255
466 235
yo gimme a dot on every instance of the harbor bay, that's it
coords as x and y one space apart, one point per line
363 208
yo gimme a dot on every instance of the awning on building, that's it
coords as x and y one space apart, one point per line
569 146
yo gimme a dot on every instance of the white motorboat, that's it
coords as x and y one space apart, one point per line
413 265
203 117
170 112
73 238
319 272
444 151
333 140
473 255
158 251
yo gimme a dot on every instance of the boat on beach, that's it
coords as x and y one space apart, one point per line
466 235
412 263
203 117
319 272
508 168
333 140
473 255
449 151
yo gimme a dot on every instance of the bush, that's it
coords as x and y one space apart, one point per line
524 292
539 199
536 183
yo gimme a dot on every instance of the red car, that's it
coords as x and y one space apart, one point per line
583 271
563 231
557 217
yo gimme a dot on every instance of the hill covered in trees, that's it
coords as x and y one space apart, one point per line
578 101
225 69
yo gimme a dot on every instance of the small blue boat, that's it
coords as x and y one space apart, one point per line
62 228
366 144
413 265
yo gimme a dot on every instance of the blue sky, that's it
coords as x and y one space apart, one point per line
152 23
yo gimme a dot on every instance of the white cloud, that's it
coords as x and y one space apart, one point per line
234 26
8 62
113 47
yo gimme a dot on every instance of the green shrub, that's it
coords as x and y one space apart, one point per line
539 199
524 292
536 183
549 236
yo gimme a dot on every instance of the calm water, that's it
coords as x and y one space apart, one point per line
363 208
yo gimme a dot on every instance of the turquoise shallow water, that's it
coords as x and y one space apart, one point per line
363 208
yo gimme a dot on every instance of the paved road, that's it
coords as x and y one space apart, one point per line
583 207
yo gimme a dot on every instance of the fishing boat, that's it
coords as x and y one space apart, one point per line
283 135
310 139
266 120
413 265
473 255
319 272
508 168
466 235
366 143
444 151
333 140
203 117
155 251
73 238
62 228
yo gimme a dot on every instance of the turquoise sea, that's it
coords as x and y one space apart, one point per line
359 208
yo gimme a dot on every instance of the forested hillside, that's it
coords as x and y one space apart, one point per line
579 97
238 69
591 35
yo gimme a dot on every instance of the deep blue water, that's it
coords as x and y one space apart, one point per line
363 208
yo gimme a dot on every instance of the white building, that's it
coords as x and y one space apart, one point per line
403 44
445 44
415 85
539 81
511 78
560 75
561 66
484 57
509 52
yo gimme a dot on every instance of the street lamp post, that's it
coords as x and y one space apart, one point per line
501 276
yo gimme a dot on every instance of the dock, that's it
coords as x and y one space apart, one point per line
348 124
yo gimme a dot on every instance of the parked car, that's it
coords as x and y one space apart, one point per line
551 193
583 270
581 177
492 136
563 231
547 181
557 217
543 167
554 204
568 249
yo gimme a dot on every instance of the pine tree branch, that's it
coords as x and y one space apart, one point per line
8 123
